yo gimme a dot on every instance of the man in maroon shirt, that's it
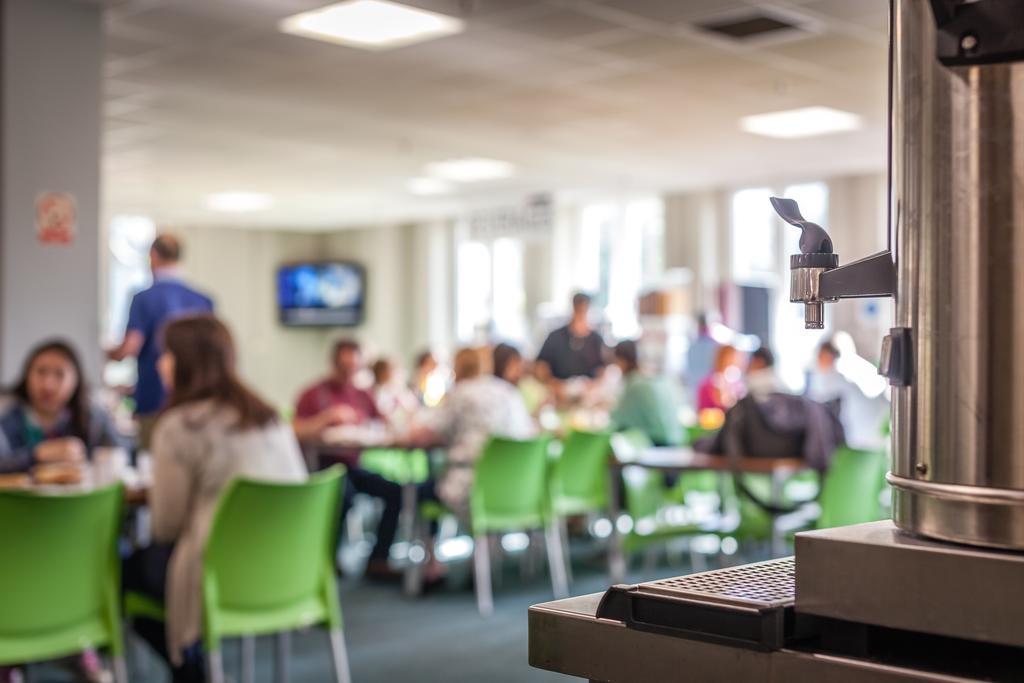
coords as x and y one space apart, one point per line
337 401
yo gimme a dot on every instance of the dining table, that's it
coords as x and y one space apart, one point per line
343 444
676 460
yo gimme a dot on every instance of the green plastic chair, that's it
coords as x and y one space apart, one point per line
754 523
695 432
511 493
850 492
580 475
397 465
646 498
630 440
60 578
268 567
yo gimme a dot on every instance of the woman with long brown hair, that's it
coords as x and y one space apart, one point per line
52 418
212 429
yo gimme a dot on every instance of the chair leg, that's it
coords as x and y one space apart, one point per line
282 647
650 559
137 653
482 574
698 563
120 666
564 528
556 560
534 553
216 664
412 578
340 656
497 560
247 659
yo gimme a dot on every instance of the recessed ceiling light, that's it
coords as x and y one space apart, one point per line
429 186
371 24
239 202
801 123
470 169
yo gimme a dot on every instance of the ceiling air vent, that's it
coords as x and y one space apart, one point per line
757 26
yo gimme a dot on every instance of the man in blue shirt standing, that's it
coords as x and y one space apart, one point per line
167 298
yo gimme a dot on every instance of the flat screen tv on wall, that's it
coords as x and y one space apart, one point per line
322 294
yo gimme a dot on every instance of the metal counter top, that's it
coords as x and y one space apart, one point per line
567 637
876 574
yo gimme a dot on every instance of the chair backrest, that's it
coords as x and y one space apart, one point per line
630 441
397 464
850 491
59 572
644 491
271 544
510 482
581 472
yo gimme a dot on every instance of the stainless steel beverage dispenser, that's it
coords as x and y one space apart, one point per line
869 602
955 357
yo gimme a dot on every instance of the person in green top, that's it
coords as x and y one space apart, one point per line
648 404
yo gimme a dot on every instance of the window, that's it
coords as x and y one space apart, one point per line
128 248
754 238
509 295
128 244
620 253
473 286
761 246
491 297
611 251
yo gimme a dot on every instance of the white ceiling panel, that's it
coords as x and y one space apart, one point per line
206 95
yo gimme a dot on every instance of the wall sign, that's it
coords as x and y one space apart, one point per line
532 219
56 217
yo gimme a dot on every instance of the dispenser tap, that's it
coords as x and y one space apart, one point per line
815 274
806 268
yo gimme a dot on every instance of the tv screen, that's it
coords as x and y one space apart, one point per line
321 294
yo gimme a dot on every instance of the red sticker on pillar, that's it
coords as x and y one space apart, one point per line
56 217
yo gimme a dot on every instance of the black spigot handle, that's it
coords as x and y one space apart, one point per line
814 239
815 244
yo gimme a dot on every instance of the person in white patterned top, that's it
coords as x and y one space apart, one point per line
478 406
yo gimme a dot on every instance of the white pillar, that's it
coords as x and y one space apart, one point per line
51 55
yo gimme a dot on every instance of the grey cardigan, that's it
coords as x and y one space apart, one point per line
197 450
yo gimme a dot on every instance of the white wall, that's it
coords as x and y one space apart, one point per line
408 295
50 55
237 268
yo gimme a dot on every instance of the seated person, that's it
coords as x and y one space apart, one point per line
50 417
508 363
336 400
761 378
478 406
853 388
213 429
426 383
647 404
573 351
770 423
722 388
394 400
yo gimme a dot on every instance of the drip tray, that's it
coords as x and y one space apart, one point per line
747 606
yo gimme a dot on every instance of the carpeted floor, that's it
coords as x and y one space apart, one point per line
439 637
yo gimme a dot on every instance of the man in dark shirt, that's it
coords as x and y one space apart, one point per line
167 298
574 350
336 400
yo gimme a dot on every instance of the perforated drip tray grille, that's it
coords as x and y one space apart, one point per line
764 584
747 606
